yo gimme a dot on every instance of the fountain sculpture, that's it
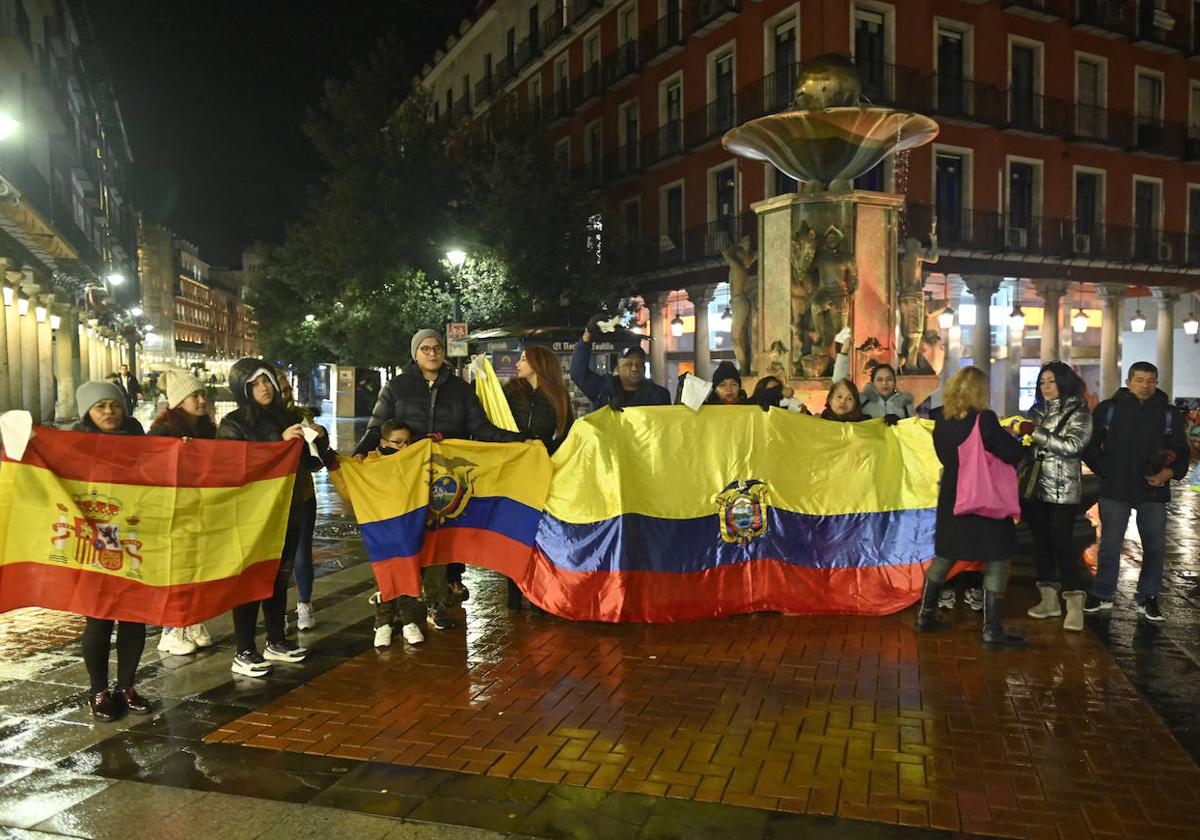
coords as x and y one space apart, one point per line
831 252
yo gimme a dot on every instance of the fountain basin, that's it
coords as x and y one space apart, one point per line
831 145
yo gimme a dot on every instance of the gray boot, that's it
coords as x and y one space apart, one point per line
1048 607
994 633
1074 602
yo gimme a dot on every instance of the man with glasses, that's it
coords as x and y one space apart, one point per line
430 400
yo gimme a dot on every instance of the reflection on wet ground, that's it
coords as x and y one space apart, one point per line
758 726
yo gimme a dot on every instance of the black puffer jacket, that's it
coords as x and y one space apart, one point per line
449 407
130 426
1129 442
535 415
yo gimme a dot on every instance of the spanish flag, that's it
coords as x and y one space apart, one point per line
657 514
449 501
148 529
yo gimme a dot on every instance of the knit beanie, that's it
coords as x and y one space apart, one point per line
179 386
726 370
90 393
420 336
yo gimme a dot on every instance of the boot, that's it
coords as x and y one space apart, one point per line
1048 607
927 616
1074 602
514 596
994 634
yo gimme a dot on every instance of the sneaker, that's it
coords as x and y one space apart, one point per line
1149 610
285 651
438 619
973 598
383 636
946 600
250 663
197 634
174 642
304 617
1093 604
412 634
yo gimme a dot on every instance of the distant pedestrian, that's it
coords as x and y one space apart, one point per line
186 416
970 537
101 408
130 385
1138 446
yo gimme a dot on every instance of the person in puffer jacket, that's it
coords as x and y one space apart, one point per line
1061 427
881 399
261 417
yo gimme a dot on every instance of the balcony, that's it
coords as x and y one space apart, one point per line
711 121
707 15
1105 18
1192 149
553 28
527 51
770 94
19 171
623 162
664 144
582 8
1158 30
1044 10
559 106
504 71
461 109
662 39
680 247
591 84
1035 114
965 100
1159 137
483 90
890 84
621 65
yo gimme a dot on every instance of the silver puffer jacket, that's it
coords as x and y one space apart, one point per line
1061 477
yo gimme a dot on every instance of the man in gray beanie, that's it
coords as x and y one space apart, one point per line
431 401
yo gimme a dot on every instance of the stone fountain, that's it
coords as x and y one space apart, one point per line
829 257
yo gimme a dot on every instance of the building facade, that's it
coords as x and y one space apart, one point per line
1065 182
66 228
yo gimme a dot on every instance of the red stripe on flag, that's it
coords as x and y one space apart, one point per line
76 590
756 586
487 549
158 461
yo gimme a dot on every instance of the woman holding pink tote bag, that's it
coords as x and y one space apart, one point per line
977 501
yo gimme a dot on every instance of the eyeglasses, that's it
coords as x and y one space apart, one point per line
432 351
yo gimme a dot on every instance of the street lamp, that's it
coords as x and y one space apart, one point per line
8 126
1079 322
727 318
22 306
677 326
39 312
946 318
1138 322
310 317
456 258
115 278
1191 326
8 295
1016 319
136 312
55 322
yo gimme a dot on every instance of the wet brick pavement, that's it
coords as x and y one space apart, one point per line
519 725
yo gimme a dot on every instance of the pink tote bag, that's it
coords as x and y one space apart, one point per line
987 486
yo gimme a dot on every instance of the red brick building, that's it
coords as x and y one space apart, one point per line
1067 168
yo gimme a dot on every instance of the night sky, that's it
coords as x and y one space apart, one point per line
214 93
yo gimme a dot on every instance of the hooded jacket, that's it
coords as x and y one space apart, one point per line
1061 477
900 403
607 390
448 407
1133 446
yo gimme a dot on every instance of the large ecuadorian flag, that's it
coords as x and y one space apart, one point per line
146 529
658 514
450 501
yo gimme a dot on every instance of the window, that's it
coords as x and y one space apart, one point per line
535 98
672 104
591 65
593 152
951 88
510 48
722 208
631 218
721 114
1147 208
781 183
1089 209
628 134
875 178
466 91
784 63
950 197
1193 226
1024 82
627 24
1089 98
1148 119
870 52
562 153
1024 183
533 29
561 87
671 220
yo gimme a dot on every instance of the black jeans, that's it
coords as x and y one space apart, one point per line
274 608
1054 555
97 643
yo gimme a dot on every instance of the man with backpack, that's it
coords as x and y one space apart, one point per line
1138 446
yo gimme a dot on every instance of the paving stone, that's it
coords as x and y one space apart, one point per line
41 794
110 812
313 823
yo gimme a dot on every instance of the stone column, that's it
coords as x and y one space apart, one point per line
46 384
66 343
660 329
1165 297
1051 292
982 287
1012 382
12 325
4 405
701 297
31 384
1112 295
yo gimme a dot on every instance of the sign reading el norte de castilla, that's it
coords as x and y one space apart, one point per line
651 514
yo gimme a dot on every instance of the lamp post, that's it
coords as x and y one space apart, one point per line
456 258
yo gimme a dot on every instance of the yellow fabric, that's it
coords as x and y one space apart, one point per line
163 535
491 393
845 467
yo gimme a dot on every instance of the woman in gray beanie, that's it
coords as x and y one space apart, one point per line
102 410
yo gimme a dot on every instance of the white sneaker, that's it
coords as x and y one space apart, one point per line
383 636
250 663
175 643
197 634
412 634
304 617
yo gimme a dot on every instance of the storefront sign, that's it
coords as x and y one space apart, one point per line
456 340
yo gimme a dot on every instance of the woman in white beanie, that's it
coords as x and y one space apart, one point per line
186 416
102 410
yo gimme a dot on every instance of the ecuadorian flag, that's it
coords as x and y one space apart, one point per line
444 502
148 529
660 514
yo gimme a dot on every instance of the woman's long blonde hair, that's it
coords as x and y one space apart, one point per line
967 391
